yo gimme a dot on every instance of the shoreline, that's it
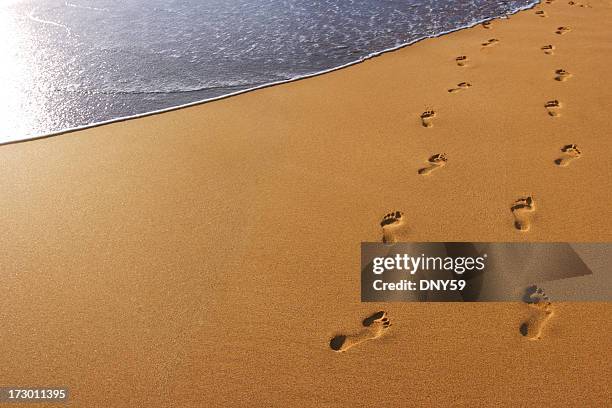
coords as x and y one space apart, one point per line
263 86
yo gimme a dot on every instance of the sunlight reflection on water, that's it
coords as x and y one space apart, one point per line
69 63
17 103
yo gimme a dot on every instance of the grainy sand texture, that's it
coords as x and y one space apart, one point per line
209 256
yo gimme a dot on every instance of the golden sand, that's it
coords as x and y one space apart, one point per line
206 256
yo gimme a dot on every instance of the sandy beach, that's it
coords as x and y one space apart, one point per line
206 256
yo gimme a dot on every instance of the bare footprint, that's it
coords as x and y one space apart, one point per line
389 224
460 86
541 13
562 30
541 311
427 118
374 326
575 3
562 75
548 49
522 210
435 162
553 107
570 153
486 24
490 42
462 60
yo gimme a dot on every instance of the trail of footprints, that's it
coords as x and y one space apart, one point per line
377 324
553 106
522 210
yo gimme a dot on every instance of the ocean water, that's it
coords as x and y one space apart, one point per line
72 63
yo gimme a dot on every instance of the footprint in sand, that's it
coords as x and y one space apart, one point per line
541 311
522 210
462 60
541 13
486 24
570 153
548 49
575 3
553 107
427 118
435 162
389 224
460 86
490 42
562 30
562 75
374 326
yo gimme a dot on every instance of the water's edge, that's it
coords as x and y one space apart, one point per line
298 78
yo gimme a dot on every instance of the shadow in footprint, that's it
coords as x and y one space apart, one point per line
374 326
371 319
562 30
570 153
575 3
390 223
522 210
460 86
427 118
562 75
337 342
541 311
435 162
461 60
553 107
548 49
490 42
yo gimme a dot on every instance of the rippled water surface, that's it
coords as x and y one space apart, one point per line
73 63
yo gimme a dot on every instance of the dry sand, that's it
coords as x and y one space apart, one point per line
206 256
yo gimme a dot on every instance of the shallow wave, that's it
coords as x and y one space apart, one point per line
130 58
32 17
84 7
